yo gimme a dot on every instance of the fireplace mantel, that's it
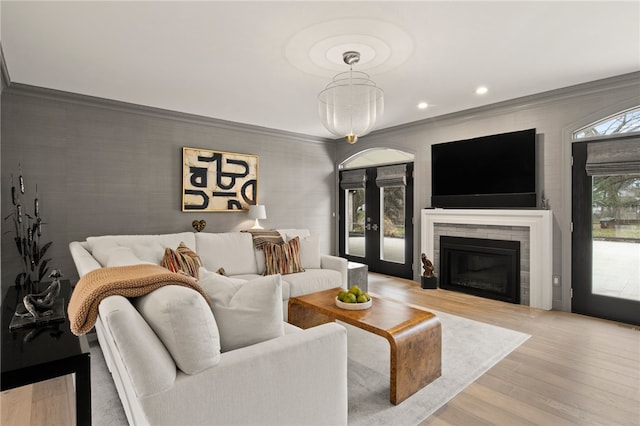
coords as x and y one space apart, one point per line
539 223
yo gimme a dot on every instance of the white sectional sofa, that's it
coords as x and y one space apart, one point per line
292 377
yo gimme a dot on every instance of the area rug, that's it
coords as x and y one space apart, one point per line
469 349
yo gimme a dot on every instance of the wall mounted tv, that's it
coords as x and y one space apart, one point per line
497 171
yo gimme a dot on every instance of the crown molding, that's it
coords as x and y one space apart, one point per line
630 80
92 101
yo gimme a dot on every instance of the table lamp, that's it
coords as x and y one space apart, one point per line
256 212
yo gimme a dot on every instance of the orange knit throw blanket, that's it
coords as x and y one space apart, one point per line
127 281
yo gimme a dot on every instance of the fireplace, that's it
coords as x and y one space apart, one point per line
533 228
482 267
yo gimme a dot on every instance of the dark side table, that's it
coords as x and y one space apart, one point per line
30 355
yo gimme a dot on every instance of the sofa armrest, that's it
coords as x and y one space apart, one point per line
137 348
296 379
337 264
84 261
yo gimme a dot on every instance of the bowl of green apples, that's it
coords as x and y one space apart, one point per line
353 299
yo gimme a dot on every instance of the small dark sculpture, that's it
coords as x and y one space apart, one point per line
428 279
40 305
428 266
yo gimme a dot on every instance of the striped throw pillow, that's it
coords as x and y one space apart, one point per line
264 236
282 258
181 260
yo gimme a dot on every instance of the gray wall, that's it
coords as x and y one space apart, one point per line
104 167
555 115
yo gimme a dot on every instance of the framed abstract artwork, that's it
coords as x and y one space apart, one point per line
215 181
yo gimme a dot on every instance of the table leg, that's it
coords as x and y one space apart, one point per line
83 391
415 358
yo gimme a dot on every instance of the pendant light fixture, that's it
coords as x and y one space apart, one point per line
351 103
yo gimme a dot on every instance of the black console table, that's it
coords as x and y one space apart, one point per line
30 355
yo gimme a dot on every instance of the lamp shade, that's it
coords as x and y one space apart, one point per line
350 105
257 212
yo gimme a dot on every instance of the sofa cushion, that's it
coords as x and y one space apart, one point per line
309 250
232 251
149 248
282 258
312 280
246 313
182 259
183 321
102 250
249 277
260 261
122 256
294 232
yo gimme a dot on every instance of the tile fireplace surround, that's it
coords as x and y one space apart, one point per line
538 223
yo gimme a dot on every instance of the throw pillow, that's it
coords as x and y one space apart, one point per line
264 236
183 321
282 258
183 260
260 238
309 250
246 313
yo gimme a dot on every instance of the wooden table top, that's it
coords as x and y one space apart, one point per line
383 317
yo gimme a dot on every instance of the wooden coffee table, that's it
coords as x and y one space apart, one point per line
414 335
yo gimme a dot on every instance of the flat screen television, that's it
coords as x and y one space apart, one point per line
497 171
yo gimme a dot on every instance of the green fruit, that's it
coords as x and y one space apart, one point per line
362 299
342 294
350 298
355 290
367 296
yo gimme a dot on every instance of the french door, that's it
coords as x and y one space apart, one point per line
376 218
605 238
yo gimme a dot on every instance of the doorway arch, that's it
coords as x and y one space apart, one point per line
376 210
606 218
376 157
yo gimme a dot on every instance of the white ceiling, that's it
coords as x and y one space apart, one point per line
264 63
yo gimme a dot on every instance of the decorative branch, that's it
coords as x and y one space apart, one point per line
28 233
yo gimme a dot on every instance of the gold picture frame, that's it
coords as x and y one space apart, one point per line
217 181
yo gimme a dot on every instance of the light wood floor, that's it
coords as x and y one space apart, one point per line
51 402
574 370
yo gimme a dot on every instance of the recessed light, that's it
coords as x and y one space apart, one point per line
481 90
423 105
